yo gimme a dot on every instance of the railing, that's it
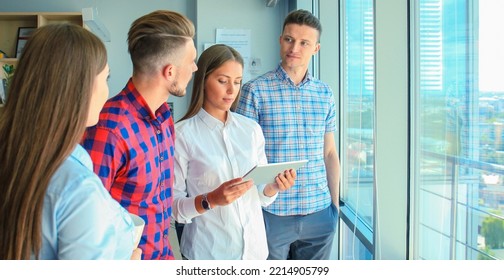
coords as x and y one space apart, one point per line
455 164
364 233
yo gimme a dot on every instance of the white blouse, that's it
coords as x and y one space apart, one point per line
207 154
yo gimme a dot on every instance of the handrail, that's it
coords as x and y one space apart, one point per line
363 232
466 162
456 162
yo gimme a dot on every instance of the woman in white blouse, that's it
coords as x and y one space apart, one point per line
222 216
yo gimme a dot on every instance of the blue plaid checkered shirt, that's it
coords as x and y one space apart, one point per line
294 119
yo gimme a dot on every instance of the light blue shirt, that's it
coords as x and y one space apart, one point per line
294 119
80 218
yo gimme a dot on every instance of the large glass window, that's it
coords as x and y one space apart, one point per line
458 105
357 109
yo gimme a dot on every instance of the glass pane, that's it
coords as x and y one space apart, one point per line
358 108
352 248
459 112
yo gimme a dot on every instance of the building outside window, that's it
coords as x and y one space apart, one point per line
458 105
357 108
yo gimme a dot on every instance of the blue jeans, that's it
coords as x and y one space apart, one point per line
301 237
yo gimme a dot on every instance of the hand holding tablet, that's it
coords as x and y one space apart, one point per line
266 173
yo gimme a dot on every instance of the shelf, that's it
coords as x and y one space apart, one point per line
49 18
8 60
9 25
10 22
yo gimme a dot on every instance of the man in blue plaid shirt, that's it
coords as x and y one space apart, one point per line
298 116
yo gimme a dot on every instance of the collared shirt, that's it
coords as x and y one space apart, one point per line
294 120
209 153
79 219
132 151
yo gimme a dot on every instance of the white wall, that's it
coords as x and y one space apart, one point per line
265 24
391 130
117 15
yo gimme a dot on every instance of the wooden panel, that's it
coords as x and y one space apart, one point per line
9 25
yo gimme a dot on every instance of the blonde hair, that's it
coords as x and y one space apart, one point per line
43 120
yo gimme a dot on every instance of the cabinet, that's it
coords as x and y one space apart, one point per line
10 22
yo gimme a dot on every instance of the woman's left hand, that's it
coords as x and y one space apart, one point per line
283 181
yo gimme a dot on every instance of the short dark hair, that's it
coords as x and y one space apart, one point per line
303 17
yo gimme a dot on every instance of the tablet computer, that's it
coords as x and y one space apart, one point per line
266 173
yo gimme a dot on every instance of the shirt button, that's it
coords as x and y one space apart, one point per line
158 131
165 236
298 106
161 158
302 146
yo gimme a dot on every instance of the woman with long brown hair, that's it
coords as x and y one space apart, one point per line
217 146
52 205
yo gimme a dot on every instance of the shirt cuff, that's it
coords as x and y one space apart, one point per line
186 210
265 200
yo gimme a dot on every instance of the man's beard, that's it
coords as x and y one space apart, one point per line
176 91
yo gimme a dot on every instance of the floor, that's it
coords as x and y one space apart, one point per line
173 241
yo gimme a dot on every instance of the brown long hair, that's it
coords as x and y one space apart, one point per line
211 59
43 120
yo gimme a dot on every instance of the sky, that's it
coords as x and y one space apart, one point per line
491 45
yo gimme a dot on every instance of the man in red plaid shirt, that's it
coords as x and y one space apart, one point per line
132 144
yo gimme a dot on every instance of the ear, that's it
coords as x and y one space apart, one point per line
168 72
317 48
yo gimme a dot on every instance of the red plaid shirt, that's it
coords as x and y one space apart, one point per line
132 151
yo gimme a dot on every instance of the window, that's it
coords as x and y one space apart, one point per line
458 105
357 108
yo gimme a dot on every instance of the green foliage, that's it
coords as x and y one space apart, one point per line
493 231
9 72
484 257
8 69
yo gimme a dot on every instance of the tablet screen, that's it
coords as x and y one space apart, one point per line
266 173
